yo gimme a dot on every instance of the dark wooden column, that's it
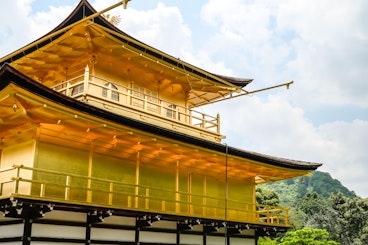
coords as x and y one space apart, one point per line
137 230
88 232
178 231
27 230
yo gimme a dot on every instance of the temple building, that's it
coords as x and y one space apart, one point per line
102 142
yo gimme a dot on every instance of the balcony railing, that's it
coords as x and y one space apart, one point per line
70 188
119 98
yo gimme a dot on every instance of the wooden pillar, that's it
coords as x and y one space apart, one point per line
190 208
89 181
226 182
204 201
177 195
136 192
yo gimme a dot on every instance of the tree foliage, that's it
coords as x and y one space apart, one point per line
352 214
319 202
266 196
267 241
307 236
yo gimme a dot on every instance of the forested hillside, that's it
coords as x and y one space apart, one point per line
321 183
321 202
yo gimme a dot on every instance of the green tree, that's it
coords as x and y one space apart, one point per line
311 203
297 218
352 214
267 241
267 196
307 236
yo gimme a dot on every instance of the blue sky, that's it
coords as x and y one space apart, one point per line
322 46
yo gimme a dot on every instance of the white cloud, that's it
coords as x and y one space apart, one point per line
162 28
245 33
21 24
332 51
348 161
323 45
43 22
14 23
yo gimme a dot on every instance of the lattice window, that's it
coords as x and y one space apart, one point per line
152 100
78 89
171 111
110 91
138 96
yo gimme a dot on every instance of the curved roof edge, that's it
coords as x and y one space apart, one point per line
85 9
10 75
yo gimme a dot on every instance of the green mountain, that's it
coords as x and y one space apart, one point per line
319 182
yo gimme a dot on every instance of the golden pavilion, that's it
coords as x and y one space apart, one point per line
102 142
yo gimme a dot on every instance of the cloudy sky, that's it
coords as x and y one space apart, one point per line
321 45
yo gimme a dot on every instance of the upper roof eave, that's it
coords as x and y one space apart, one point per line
85 9
10 75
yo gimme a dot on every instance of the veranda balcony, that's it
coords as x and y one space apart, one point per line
53 186
140 105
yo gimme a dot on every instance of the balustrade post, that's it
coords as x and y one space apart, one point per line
163 205
111 188
218 123
160 110
145 106
146 201
68 90
129 97
86 79
42 190
17 180
67 187
176 111
129 201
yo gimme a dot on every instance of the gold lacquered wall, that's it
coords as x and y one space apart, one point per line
116 169
136 182
74 170
61 159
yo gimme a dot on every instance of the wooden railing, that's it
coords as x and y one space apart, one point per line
71 188
110 94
